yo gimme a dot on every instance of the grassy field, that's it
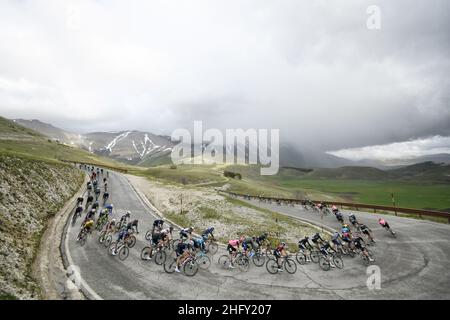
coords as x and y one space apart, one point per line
291 183
407 194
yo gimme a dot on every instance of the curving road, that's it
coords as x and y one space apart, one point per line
415 265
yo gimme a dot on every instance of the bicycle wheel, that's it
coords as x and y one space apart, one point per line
176 242
290 266
324 264
315 256
148 235
301 258
212 248
170 265
124 252
204 262
243 263
224 261
108 240
272 266
190 268
259 259
160 257
337 260
131 241
145 253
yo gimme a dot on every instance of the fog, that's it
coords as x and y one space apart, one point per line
309 68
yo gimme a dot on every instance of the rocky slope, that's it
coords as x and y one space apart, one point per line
30 193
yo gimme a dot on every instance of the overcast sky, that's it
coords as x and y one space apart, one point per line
310 68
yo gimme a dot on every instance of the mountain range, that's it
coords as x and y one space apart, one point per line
147 149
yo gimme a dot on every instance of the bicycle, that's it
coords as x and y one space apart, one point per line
325 263
302 257
158 252
366 258
242 261
287 264
119 248
203 261
82 237
189 266
105 238
211 246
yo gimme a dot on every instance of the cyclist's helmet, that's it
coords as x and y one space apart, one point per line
191 229
211 228
283 244
128 213
113 221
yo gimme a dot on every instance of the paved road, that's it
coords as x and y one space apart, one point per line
413 266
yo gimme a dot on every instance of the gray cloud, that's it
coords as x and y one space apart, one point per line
310 68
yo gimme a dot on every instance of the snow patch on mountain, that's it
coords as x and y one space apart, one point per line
113 143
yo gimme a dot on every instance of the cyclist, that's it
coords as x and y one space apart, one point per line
182 251
304 245
80 200
248 243
186 233
232 249
262 238
334 209
78 210
157 224
279 252
86 227
89 186
95 205
384 224
97 193
110 208
339 216
316 239
358 243
133 225
352 219
166 235
324 249
105 196
199 243
366 230
111 226
91 214
345 228
124 218
208 233
335 239
89 200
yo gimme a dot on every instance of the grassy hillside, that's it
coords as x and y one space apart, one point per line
31 192
16 140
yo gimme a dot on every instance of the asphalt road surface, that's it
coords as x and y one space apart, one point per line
414 266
